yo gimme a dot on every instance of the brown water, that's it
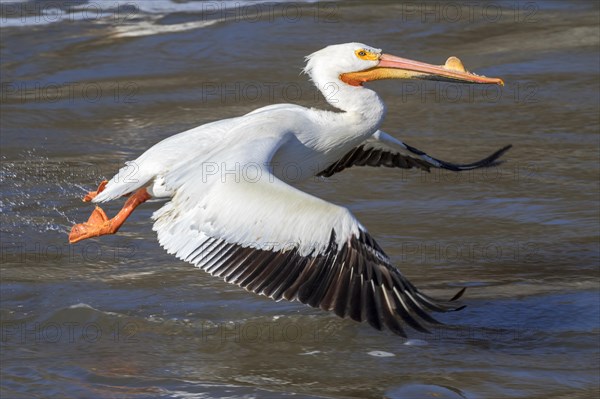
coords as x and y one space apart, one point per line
88 87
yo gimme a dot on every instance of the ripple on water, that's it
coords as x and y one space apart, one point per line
425 391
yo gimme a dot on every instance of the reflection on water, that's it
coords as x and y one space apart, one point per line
85 89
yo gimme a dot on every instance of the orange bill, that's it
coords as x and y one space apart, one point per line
392 67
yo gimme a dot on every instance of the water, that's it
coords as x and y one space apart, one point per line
88 86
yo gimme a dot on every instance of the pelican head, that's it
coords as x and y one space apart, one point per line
356 63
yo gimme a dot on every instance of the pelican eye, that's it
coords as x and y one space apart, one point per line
366 55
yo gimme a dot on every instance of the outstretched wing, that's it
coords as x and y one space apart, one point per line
381 149
275 240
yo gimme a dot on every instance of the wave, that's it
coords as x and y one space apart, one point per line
26 13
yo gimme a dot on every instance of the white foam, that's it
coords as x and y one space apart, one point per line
416 342
381 354
168 6
310 353
147 28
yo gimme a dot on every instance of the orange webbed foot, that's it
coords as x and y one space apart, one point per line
98 224
92 194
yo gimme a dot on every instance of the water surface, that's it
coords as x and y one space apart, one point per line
84 89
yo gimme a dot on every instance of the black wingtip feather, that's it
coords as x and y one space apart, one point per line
458 294
487 162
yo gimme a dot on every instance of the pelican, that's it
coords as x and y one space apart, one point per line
231 209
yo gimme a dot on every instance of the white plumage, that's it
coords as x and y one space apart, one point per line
231 209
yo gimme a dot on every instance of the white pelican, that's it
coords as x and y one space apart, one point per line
232 212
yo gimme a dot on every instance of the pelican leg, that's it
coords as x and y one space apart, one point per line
99 224
92 194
